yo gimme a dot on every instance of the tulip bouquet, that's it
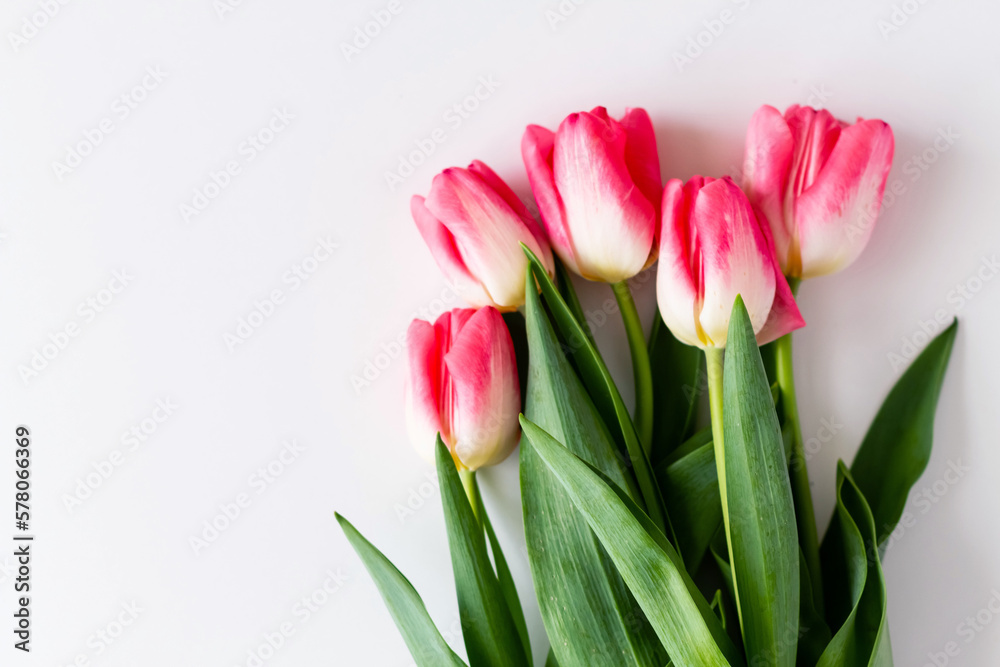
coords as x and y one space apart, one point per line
654 539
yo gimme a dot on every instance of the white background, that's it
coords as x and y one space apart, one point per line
323 176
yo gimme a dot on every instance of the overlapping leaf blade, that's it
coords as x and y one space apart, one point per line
759 496
601 388
897 447
678 380
650 566
853 576
585 605
488 627
690 489
426 644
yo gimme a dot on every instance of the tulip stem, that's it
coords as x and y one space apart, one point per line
805 515
640 364
714 368
468 478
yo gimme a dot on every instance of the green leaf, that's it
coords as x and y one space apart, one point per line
690 488
491 637
897 447
854 582
601 388
504 577
584 602
814 633
645 558
677 382
569 296
427 646
762 532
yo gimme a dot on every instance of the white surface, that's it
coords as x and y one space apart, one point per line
323 175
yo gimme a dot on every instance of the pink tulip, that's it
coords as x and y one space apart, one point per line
597 184
819 183
463 384
474 225
712 247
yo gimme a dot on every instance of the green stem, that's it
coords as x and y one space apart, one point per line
805 516
714 368
640 364
468 478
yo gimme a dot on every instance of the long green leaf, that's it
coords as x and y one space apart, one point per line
854 582
602 390
584 603
489 630
427 646
653 570
677 382
504 577
690 488
897 447
762 533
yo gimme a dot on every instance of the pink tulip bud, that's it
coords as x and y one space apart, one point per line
712 247
474 225
818 182
463 384
597 184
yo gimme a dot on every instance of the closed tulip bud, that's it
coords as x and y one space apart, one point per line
818 182
474 225
712 247
597 184
463 384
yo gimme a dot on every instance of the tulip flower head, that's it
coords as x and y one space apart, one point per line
712 247
463 384
474 225
818 182
597 184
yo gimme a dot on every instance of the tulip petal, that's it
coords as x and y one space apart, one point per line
836 214
423 387
446 254
766 166
677 276
785 316
486 395
498 185
641 156
612 222
735 259
486 232
814 134
537 151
